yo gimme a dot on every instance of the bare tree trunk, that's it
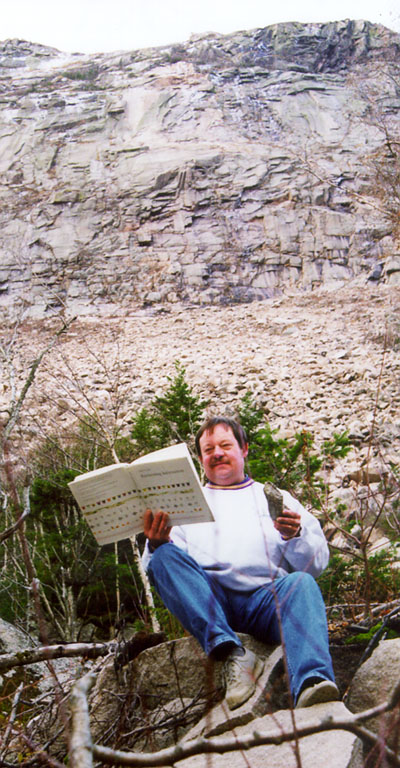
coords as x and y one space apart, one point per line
117 587
155 624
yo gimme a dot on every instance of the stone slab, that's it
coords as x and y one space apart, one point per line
332 749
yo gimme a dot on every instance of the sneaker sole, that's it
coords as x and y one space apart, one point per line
318 694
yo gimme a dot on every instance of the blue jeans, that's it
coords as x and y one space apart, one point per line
290 611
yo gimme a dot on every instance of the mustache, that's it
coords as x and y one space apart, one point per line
215 462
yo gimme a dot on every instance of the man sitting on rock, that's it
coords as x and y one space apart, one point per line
245 573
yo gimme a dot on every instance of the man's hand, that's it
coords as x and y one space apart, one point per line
288 524
156 527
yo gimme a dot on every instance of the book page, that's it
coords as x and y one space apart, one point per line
110 503
165 454
173 486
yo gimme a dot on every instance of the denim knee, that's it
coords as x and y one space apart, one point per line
302 580
300 591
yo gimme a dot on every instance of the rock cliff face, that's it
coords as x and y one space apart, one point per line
223 170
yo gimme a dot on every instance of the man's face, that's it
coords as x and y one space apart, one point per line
222 457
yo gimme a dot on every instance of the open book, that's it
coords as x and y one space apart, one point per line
113 499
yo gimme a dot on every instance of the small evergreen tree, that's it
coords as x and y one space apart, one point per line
173 417
146 432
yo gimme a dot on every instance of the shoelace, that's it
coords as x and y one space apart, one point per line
233 669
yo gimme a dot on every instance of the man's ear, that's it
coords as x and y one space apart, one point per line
245 450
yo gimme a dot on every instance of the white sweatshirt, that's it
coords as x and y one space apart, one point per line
242 549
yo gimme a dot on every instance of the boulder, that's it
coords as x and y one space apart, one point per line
373 684
12 639
36 677
171 687
334 749
172 693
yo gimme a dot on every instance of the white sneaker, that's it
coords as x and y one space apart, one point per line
318 693
240 675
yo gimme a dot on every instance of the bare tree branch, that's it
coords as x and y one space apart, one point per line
155 624
9 532
80 748
124 652
34 655
11 720
15 412
40 756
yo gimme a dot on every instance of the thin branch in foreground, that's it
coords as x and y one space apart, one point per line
11 720
15 412
39 756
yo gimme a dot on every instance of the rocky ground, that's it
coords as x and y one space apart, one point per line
321 361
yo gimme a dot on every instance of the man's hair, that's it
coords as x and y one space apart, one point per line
210 424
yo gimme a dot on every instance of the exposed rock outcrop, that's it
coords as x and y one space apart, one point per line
338 748
174 682
223 170
35 676
373 684
172 693
11 638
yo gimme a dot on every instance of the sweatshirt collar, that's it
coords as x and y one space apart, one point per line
235 487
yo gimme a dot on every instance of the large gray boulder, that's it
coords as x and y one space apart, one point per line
373 684
171 687
12 639
38 676
172 693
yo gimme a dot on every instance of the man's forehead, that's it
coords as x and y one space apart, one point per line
208 434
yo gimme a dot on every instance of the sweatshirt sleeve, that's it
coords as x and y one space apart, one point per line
308 552
146 556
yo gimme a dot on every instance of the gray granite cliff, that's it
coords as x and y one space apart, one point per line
226 169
